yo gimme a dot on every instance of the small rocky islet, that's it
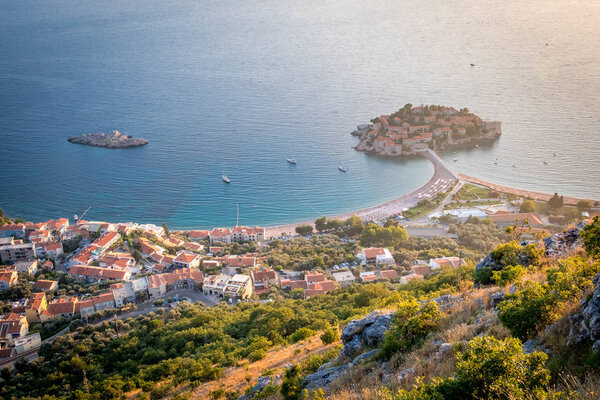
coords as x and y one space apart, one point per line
113 140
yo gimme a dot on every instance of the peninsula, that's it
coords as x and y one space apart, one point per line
114 140
413 129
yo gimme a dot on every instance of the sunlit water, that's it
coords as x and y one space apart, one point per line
241 86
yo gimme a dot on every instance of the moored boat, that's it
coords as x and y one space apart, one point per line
291 161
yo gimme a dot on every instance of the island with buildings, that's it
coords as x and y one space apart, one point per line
413 129
113 140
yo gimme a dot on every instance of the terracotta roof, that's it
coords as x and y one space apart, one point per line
62 306
373 252
103 298
314 276
198 234
389 274
298 284
328 285
45 284
185 257
105 238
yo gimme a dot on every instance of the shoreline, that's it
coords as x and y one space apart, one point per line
541 196
383 210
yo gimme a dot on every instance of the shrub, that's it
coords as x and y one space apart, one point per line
411 324
257 355
509 274
330 336
591 238
491 369
484 276
291 386
301 334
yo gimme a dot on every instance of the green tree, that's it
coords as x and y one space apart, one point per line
556 201
165 228
291 386
321 224
330 336
304 229
591 238
584 205
527 206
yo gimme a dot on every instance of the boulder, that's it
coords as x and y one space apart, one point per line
365 356
322 379
496 299
353 346
374 333
596 347
261 384
356 326
406 374
560 244
444 350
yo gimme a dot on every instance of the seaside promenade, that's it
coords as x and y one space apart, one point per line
382 211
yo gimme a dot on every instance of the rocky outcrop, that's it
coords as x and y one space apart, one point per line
560 244
586 324
114 140
260 386
367 331
357 336
322 378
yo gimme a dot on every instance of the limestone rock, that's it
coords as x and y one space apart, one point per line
365 356
322 379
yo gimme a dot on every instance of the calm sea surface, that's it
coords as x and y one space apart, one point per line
242 85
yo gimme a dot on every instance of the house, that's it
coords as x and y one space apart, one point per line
48 266
407 278
216 249
17 252
27 267
194 247
215 284
313 290
233 264
344 278
220 235
35 307
185 278
377 256
222 285
16 230
147 247
44 285
186 259
247 234
62 307
327 285
157 286
210 264
421 269
104 301
85 307
12 326
26 343
8 279
428 232
98 274
50 250
314 276
117 260
453 262
106 240
239 286
196 236
264 279
123 293
388 274
368 276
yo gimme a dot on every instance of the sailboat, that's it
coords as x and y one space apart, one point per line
342 168
225 178
291 161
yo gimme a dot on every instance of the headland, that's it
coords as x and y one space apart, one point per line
413 129
113 140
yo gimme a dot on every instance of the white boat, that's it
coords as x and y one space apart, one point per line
342 168
225 179
455 159
291 161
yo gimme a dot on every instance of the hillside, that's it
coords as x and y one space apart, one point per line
523 323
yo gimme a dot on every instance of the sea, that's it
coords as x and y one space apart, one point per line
237 87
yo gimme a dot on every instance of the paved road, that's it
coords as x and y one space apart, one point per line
194 295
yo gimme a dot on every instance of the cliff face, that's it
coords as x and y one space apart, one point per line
114 140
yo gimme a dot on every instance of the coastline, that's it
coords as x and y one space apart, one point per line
381 211
520 192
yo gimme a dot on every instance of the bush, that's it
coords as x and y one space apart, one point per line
591 238
527 206
484 276
509 274
411 325
330 336
301 334
491 369
257 355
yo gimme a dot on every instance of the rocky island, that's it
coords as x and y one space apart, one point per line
412 129
114 140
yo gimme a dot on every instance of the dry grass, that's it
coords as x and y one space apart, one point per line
241 377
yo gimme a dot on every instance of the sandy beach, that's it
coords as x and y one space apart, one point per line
520 192
379 212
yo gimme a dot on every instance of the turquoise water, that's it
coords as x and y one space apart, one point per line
241 86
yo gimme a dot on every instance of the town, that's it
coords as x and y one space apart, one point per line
412 129
55 272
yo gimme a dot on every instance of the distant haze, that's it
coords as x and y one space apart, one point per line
239 86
